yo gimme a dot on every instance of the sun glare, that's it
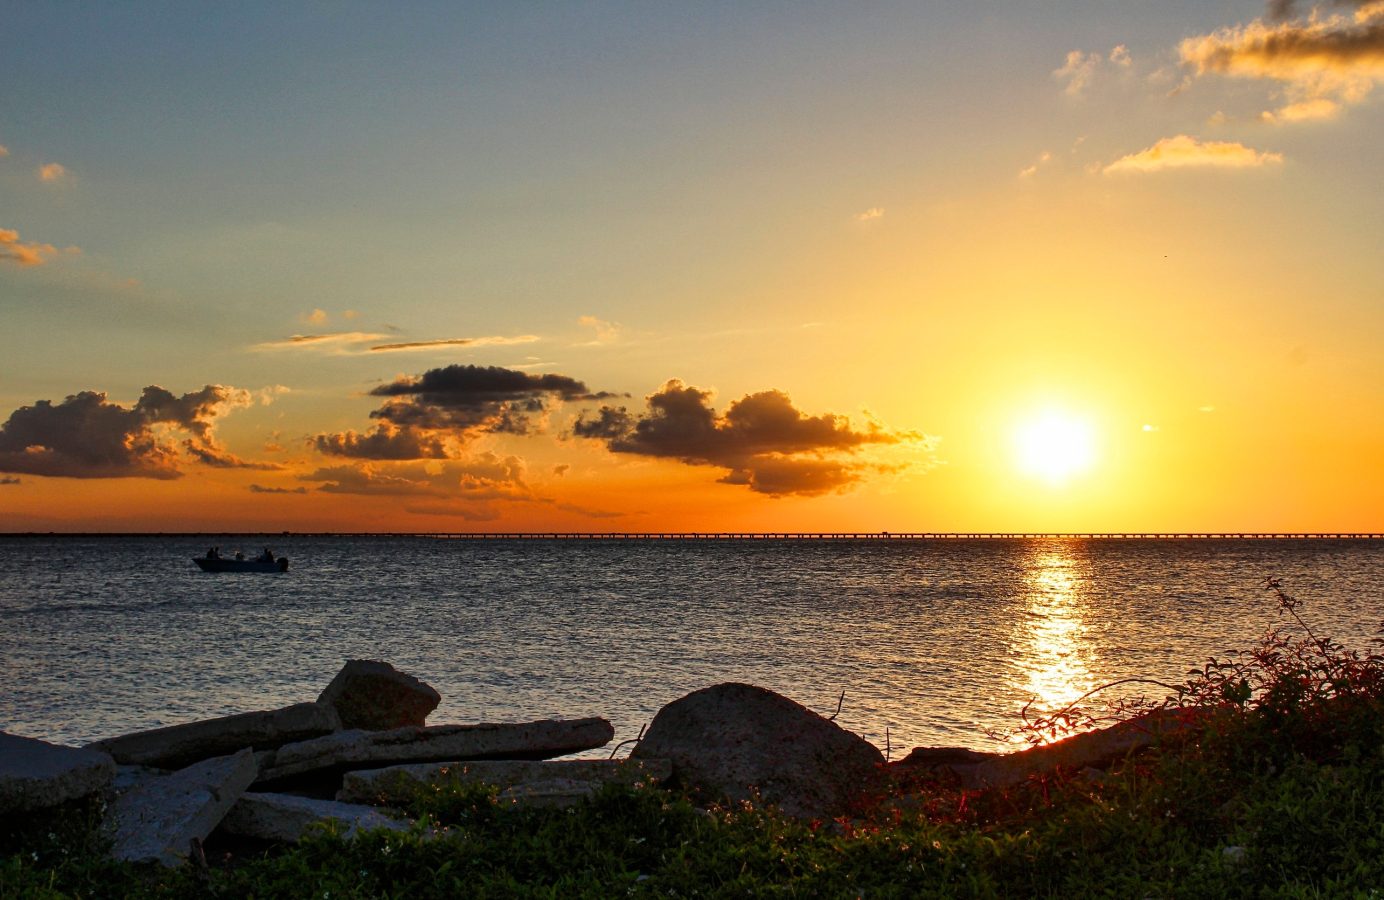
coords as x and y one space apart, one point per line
1054 447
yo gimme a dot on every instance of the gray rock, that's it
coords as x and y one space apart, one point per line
158 820
35 774
176 746
398 783
933 757
283 817
437 743
373 695
1092 749
736 740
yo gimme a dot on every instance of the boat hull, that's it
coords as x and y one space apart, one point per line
241 565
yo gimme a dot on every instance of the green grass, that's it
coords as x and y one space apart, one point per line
1278 793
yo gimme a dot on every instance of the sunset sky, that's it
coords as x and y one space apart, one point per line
1092 266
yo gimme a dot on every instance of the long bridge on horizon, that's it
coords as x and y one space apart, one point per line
758 535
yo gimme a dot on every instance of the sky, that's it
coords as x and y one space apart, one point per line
1074 266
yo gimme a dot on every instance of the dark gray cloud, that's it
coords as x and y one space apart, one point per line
421 411
1280 10
767 444
87 437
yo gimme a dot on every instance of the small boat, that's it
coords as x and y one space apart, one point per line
217 564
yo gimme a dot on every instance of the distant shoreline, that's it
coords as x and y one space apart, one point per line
824 536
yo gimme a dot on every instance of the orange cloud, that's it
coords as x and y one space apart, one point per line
51 173
1184 152
31 254
1324 63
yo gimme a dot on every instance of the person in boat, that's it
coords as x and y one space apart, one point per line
239 555
267 555
213 553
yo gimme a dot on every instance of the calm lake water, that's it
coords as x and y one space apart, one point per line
936 641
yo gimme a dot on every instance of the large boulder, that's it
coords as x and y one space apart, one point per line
435 743
397 784
737 740
283 817
158 820
35 774
175 746
375 696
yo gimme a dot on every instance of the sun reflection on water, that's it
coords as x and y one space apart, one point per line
1049 647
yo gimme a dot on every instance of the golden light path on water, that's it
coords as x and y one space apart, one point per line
1050 653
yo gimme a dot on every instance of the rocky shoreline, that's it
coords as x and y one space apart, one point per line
364 744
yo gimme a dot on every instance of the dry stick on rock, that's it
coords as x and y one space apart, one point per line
839 701
1066 716
634 740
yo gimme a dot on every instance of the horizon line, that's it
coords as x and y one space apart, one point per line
744 535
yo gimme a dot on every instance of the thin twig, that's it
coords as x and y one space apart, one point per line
839 701
634 740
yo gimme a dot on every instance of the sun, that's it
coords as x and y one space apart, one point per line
1054 446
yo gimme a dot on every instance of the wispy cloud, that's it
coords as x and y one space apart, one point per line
14 250
363 342
606 332
4 151
869 215
1080 69
316 317
329 342
1324 63
495 341
1186 152
1043 159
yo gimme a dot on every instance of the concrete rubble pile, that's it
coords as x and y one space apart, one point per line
364 747
271 774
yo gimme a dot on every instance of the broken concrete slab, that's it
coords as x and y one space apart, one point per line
375 696
283 817
176 746
35 774
557 793
397 783
158 820
437 743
